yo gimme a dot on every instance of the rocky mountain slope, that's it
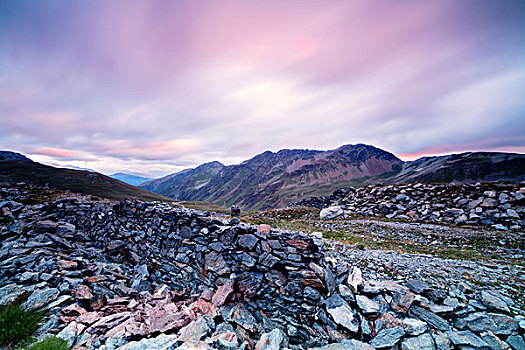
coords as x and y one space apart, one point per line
183 184
137 275
274 179
13 171
130 179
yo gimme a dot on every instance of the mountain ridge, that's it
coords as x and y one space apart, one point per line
96 184
272 179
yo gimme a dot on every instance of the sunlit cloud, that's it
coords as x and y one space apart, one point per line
153 87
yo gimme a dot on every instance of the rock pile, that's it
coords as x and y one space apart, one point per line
498 205
140 275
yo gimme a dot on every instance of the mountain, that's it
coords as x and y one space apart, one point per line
274 179
7 155
463 168
185 183
130 179
74 180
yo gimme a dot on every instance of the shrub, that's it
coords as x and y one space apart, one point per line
52 343
17 324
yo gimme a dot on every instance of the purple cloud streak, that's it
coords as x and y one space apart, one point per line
155 86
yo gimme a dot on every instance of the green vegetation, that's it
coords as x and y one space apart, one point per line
51 343
73 180
17 324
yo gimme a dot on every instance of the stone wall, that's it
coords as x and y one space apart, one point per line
282 274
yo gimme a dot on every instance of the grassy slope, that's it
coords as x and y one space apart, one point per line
74 180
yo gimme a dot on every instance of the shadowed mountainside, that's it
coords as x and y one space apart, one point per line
74 180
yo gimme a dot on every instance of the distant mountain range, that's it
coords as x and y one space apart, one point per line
130 179
15 167
276 179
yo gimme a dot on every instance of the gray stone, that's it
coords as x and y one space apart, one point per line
161 342
342 313
9 293
422 342
271 341
441 340
331 212
40 298
366 305
355 279
194 331
467 338
351 344
387 338
71 332
418 286
516 342
402 300
493 341
431 318
492 302
414 326
247 241
496 323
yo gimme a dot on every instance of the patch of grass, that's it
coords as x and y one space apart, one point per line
51 343
17 324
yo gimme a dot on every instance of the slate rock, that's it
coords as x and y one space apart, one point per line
367 305
352 344
414 326
387 338
9 293
516 342
402 300
194 331
418 286
431 318
271 341
355 279
223 293
40 298
492 302
161 342
422 342
467 338
342 313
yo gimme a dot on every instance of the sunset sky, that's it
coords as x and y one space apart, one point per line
152 87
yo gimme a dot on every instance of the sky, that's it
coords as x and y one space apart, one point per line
151 87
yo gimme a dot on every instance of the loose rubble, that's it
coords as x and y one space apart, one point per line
137 275
498 205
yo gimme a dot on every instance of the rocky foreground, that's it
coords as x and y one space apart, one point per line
135 275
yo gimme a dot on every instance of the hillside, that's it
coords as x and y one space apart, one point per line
274 179
183 184
74 180
463 168
8 155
